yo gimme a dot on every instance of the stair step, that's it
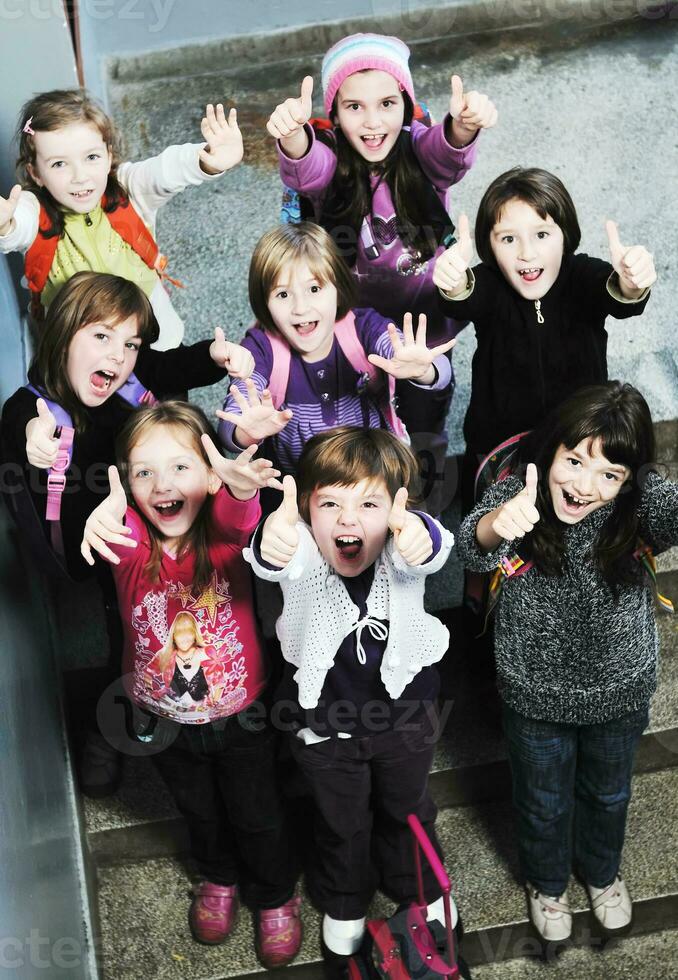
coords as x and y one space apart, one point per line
469 766
144 906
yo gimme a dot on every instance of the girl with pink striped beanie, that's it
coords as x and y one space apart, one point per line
376 175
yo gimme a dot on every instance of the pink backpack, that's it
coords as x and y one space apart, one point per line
381 387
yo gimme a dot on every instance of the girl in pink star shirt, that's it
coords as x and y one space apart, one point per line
194 661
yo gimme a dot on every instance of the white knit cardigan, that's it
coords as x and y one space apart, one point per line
318 614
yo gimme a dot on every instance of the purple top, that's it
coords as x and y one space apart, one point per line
353 698
321 394
394 282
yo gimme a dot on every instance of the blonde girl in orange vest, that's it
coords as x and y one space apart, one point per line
78 207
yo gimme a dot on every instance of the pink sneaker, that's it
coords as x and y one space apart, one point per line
279 934
213 911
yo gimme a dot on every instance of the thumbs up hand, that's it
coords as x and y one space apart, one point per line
449 271
237 360
518 516
280 538
288 119
409 532
7 208
41 445
633 264
470 112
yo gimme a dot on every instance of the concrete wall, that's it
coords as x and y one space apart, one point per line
119 27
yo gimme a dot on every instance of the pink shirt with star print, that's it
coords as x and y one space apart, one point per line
226 669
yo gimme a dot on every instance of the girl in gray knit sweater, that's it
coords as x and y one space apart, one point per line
575 639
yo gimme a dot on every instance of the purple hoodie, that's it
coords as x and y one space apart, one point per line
394 282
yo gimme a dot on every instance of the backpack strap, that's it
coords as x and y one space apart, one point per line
645 556
280 370
56 475
40 255
381 384
134 393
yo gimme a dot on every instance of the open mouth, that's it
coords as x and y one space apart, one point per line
529 275
349 546
101 381
305 329
168 508
574 504
375 141
82 195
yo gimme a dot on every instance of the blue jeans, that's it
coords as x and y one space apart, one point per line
571 791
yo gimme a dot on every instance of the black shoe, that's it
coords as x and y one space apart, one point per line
335 966
99 768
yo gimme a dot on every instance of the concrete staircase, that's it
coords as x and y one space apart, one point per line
135 841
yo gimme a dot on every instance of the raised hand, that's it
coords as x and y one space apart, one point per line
105 524
224 140
470 112
237 360
280 538
633 264
259 417
518 516
7 209
450 268
409 531
243 475
41 444
412 359
289 118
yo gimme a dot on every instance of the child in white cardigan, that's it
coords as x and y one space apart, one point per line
362 695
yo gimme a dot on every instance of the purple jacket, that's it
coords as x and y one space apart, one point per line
321 394
395 282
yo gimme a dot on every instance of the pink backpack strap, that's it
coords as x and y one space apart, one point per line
280 371
56 484
347 338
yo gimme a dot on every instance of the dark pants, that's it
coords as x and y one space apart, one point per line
425 416
223 780
364 788
571 790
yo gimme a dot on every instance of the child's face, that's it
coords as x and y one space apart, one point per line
169 481
101 358
582 480
528 249
73 164
350 524
304 310
370 110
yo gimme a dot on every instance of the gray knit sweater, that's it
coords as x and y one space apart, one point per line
566 649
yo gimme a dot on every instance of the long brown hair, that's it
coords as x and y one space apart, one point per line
188 423
619 416
55 110
422 220
86 298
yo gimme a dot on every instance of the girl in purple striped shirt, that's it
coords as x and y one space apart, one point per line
318 362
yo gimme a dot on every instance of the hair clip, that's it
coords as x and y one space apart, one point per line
28 128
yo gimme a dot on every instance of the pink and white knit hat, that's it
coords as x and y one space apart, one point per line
361 51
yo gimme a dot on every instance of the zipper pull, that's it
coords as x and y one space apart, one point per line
537 306
88 222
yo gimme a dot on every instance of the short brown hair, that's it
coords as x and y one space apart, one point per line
542 190
85 298
348 454
54 110
290 243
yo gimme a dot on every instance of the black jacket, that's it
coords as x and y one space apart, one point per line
522 368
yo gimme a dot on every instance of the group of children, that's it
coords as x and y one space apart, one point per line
357 307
